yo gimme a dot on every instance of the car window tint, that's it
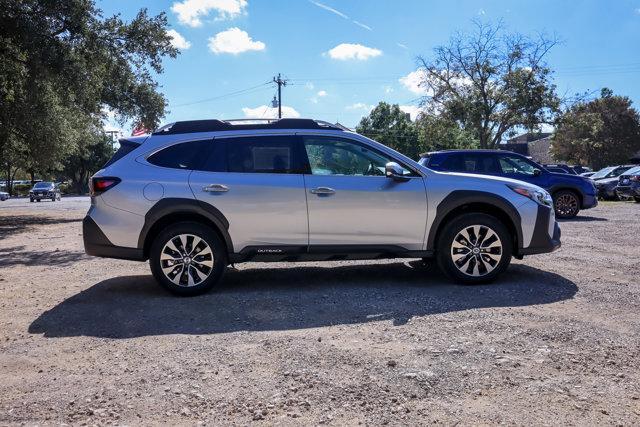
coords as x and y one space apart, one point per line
515 165
217 159
328 156
261 154
185 155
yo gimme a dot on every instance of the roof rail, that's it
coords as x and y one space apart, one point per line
192 126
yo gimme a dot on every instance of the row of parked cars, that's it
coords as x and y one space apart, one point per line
618 182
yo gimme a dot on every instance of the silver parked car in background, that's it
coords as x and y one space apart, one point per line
196 196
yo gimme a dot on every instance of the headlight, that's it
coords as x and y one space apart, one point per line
539 196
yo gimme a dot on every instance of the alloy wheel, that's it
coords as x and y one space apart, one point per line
186 260
476 250
566 205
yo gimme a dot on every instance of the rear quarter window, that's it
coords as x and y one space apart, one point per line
184 155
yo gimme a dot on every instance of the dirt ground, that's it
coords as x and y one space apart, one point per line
86 340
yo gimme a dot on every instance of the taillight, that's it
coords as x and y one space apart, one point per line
99 185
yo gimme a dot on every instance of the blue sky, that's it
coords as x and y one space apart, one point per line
342 57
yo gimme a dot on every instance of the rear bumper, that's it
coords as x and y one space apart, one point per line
546 233
97 244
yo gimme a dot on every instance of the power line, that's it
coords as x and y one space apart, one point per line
252 89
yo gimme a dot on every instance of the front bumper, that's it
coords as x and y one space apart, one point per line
97 244
546 233
606 191
628 191
589 201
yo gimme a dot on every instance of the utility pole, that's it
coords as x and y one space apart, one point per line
280 82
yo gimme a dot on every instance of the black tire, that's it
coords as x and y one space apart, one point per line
637 199
53 199
31 200
566 204
445 249
211 276
38 200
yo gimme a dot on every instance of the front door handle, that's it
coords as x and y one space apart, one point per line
215 188
323 191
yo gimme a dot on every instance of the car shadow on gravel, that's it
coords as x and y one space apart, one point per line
582 218
266 299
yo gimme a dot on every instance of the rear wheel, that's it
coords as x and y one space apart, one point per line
474 248
566 204
637 199
188 258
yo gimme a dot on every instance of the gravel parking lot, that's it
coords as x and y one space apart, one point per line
85 340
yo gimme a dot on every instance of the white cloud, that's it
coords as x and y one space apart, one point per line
346 51
322 93
412 110
360 106
177 40
402 45
190 12
413 81
388 89
267 112
361 25
481 12
330 9
233 41
309 85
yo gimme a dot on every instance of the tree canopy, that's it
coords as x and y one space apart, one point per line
599 133
63 64
389 125
490 82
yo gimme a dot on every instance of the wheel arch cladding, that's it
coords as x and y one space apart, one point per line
468 201
171 210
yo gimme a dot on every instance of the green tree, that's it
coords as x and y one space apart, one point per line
490 82
599 133
92 153
62 63
392 127
439 133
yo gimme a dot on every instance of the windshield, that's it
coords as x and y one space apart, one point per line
603 172
43 185
633 171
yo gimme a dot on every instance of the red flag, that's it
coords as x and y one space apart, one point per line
139 130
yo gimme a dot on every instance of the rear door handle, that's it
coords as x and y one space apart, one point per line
215 188
323 190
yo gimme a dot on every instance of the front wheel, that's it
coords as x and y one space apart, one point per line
566 204
188 258
474 248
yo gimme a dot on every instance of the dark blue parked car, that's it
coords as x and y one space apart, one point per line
570 192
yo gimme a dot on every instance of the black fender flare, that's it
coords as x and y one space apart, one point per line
459 198
173 206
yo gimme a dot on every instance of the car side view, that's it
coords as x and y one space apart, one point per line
570 192
196 196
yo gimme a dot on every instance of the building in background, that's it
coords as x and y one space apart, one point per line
536 145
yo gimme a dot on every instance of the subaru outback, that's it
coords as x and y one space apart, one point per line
196 196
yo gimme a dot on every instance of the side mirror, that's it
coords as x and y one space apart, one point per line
537 172
394 171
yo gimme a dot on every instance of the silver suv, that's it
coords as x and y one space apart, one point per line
196 196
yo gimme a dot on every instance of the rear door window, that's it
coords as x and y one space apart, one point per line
263 154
